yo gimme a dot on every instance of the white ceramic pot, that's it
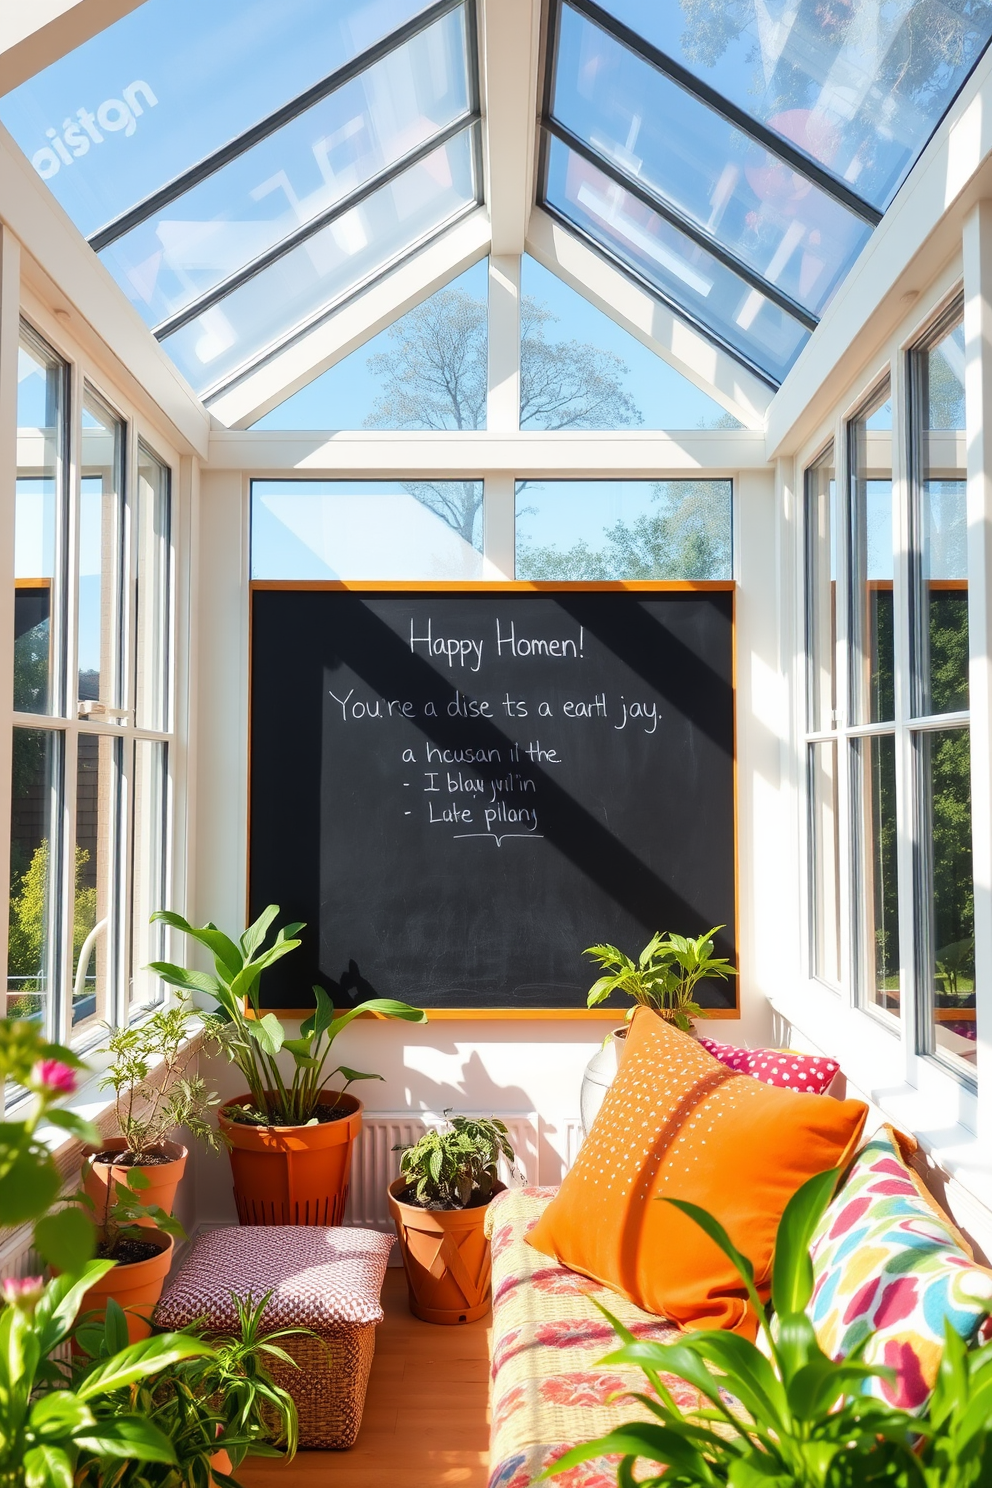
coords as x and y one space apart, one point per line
599 1075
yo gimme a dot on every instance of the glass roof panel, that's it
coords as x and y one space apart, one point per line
683 272
313 277
774 221
167 85
296 174
859 85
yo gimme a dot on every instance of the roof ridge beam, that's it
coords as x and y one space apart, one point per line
510 48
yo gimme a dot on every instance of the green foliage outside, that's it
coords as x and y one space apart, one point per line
29 904
687 536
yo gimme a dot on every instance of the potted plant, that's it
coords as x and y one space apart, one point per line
663 979
290 1141
139 1239
438 1205
152 1096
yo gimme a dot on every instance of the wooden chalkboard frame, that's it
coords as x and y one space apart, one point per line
492 586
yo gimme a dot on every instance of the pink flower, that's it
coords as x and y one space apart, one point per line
54 1077
23 1292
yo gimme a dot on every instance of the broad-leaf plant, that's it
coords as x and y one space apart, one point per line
458 1166
663 977
252 1039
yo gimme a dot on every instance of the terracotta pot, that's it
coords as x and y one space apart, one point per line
136 1287
220 1462
287 1175
446 1258
163 1178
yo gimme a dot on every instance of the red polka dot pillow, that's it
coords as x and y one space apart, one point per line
890 1267
785 1068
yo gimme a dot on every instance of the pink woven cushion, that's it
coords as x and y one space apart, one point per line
320 1278
811 1073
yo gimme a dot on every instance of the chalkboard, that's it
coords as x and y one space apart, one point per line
460 789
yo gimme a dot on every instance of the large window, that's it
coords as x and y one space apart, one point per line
91 707
887 754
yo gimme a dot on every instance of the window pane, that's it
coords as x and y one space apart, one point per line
776 222
825 862
821 592
683 273
580 370
97 789
858 86
295 174
950 911
152 544
148 869
336 261
426 371
172 82
941 599
676 529
366 530
879 895
100 535
38 525
871 563
32 959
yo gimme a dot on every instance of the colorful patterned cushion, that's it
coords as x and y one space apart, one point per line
550 1391
320 1278
785 1068
888 1261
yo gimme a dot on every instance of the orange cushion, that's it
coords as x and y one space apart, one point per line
676 1123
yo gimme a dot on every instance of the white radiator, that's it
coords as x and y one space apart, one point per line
544 1153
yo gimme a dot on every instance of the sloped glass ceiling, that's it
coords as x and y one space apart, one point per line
241 168
734 155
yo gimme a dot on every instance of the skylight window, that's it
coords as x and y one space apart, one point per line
264 162
735 155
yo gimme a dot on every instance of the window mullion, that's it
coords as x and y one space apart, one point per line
907 810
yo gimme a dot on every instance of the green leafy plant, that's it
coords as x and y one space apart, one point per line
663 977
152 1092
456 1168
253 1040
221 1400
48 1423
801 1419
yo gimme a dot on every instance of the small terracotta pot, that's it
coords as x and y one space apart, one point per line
220 1462
446 1257
163 1178
135 1287
285 1175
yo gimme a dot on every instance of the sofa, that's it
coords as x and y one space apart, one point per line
549 1390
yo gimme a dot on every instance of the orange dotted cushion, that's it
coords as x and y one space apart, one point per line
676 1123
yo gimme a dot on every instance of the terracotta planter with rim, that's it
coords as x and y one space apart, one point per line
163 1178
286 1175
136 1287
446 1258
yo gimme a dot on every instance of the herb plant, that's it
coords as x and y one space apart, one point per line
456 1168
116 1217
152 1092
251 1040
804 1422
663 977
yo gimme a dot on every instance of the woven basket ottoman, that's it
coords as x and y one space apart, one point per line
328 1280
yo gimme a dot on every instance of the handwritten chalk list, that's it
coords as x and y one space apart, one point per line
458 791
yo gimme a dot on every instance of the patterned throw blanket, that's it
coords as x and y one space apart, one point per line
549 1389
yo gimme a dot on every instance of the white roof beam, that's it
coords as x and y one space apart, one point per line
75 277
509 63
466 455
919 236
36 33
367 313
711 369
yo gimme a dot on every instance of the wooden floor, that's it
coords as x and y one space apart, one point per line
426 1422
